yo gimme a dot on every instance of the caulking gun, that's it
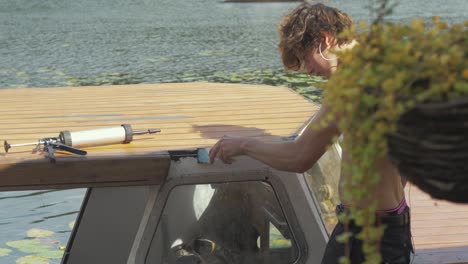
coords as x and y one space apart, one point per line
69 141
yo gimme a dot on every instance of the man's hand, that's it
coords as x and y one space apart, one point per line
295 156
226 149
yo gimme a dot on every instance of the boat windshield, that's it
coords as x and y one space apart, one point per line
323 180
235 222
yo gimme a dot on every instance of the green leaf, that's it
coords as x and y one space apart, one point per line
344 260
32 260
51 254
344 238
28 246
461 87
37 232
71 224
4 252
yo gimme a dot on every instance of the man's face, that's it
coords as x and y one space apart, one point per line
314 64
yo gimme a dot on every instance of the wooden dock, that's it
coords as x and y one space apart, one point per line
439 228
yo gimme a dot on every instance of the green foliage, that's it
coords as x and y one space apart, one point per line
37 232
71 225
394 68
277 240
41 246
51 254
28 246
4 252
32 260
301 83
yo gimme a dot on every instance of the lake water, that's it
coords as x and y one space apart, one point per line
46 43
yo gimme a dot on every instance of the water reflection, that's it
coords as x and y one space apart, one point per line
74 213
67 43
52 210
19 194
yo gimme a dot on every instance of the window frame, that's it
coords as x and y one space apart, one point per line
187 171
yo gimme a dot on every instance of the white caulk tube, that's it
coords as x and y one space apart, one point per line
95 137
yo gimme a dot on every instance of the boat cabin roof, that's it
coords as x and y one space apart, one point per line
190 115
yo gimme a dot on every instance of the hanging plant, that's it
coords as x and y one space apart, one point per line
402 93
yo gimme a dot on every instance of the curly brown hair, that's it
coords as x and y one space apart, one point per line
302 31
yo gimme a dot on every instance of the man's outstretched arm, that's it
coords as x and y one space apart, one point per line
295 156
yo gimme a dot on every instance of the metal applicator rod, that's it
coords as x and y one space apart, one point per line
7 145
149 131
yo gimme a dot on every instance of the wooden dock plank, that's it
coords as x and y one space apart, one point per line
439 228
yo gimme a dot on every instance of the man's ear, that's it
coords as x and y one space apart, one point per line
329 40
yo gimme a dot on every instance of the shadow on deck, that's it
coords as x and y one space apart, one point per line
439 228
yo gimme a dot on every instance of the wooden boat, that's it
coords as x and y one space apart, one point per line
152 201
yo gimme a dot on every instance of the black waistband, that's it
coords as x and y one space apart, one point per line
393 219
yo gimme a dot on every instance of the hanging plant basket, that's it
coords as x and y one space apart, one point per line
430 148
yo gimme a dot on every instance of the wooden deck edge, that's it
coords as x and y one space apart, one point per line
81 172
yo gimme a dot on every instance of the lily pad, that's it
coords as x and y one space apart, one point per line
32 260
212 53
51 254
4 252
49 242
28 246
37 232
71 224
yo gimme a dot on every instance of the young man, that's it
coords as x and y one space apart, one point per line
306 36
